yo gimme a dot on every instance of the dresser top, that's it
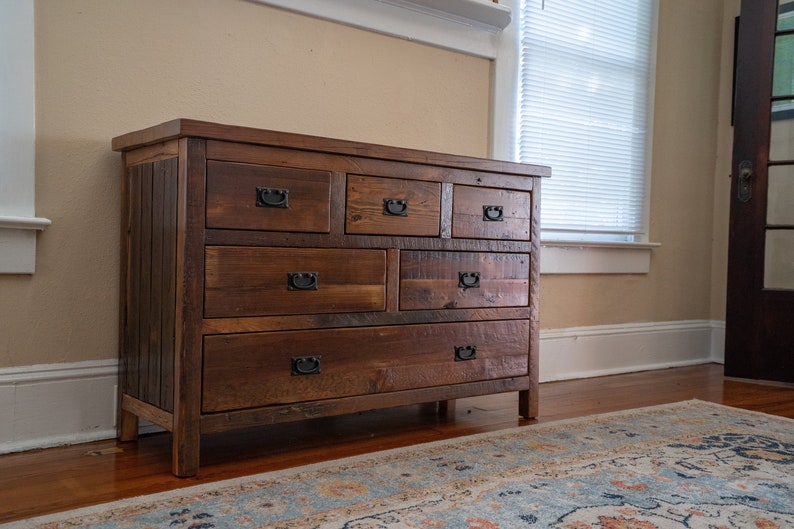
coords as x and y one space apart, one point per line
184 128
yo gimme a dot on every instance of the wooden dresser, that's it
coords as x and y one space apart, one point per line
269 277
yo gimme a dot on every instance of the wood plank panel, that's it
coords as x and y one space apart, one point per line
154 338
145 281
131 351
168 309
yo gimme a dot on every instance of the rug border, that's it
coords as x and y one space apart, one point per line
229 482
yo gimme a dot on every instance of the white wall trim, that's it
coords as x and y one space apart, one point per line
57 404
583 352
468 26
571 257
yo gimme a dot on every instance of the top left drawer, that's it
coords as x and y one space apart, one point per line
261 197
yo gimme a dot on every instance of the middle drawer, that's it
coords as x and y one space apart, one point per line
245 281
392 206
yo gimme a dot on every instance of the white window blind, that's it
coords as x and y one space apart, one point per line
584 109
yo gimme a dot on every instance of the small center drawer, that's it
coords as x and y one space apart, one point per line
488 213
253 281
391 206
261 369
455 280
261 197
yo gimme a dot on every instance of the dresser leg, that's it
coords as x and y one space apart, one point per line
446 408
185 456
527 405
128 426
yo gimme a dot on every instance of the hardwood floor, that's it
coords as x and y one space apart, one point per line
56 479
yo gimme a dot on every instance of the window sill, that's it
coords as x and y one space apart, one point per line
18 243
574 257
23 223
451 24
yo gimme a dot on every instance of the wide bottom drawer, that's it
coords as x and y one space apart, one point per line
261 369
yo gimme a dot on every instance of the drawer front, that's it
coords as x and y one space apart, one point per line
390 206
487 213
252 281
260 197
261 369
456 280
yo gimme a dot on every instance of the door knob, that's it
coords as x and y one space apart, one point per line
745 189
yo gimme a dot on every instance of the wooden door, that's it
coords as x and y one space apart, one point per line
760 305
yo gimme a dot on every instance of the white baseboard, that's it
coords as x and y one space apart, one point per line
582 352
58 404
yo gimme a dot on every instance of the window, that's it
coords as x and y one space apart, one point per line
584 108
18 223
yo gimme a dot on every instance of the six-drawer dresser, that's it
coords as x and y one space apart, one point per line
269 277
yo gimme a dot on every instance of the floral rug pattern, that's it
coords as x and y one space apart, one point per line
687 465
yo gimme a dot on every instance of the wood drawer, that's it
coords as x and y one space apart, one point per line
391 206
261 197
488 213
253 370
450 280
254 281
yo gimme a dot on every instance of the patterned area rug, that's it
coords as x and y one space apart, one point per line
686 465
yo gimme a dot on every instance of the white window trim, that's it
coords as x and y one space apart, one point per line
18 222
470 26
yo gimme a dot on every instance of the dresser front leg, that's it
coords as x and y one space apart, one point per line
185 452
527 404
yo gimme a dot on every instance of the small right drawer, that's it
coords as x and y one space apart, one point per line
458 280
489 213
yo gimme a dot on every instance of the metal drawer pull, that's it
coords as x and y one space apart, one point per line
469 279
465 352
267 197
302 280
493 213
397 207
306 365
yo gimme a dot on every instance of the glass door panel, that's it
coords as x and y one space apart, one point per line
779 260
779 233
780 201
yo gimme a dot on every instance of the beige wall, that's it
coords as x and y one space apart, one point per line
105 67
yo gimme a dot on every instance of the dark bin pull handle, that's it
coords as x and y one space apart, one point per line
493 213
465 352
306 365
396 207
267 197
469 279
302 281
